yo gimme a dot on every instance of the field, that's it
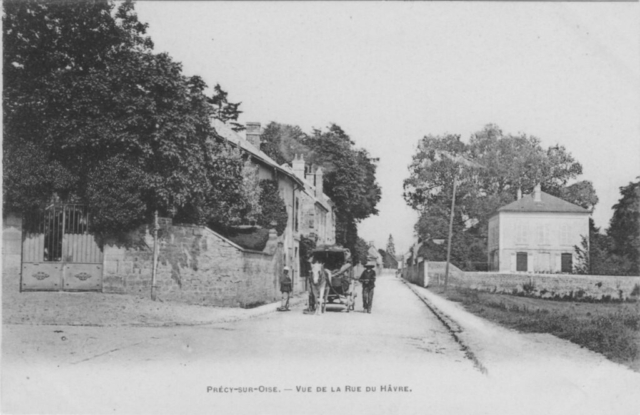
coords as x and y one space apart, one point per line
612 329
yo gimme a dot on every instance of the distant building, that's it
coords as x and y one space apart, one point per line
289 184
374 256
317 211
536 233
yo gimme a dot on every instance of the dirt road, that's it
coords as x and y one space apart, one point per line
399 359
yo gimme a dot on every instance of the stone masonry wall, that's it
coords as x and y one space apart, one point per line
195 266
11 252
554 286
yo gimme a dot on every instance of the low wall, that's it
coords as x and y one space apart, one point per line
11 252
196 266
555 286
417 274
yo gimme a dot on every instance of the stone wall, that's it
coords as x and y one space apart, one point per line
555 286
11 252
196 266
417 274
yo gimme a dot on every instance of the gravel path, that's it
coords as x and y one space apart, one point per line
113 310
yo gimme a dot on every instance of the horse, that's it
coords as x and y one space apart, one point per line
320 279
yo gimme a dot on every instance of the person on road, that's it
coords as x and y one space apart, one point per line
285 289
368 280
342 272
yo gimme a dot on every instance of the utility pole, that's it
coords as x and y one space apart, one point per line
453 205
458 161
155 255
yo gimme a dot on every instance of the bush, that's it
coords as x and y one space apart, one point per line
274 210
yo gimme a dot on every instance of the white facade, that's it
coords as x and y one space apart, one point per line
318 219
530 241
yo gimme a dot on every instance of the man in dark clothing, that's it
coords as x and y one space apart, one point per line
368 280
285 289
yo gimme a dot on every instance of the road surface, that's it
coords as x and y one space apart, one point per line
399 359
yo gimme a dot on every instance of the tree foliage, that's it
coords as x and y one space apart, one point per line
360 251
349 179
510 162
388 260
282 142
595 255
391 246
624 228
92 114
273 209
349 172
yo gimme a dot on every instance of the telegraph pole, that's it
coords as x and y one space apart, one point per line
453 205
458 161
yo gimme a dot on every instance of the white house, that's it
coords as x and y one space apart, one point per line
536 233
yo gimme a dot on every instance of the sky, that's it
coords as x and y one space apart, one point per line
390 73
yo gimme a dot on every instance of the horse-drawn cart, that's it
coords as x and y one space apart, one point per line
337 270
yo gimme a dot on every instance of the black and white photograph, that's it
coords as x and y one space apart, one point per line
271 208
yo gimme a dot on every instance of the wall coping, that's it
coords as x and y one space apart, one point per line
214 233
533 274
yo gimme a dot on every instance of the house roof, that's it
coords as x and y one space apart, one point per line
224 131
548 203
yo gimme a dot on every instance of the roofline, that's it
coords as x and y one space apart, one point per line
321 205
257 156
587 212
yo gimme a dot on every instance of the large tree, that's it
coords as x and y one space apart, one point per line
349 172
391 246
508 163
596 255
624 228
92 114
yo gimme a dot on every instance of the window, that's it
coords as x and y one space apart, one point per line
565 234
521 232
521 261
567 263
539 234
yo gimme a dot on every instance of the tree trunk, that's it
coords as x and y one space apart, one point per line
155 256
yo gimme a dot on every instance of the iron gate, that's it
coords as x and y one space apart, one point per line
58 252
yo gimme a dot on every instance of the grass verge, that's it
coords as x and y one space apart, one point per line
612 329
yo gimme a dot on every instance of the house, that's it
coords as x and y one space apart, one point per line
536 233
291 188
374 256
318 216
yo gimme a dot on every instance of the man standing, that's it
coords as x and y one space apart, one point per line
285 289
368 280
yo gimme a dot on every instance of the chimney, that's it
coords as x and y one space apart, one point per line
298 165
519 194
537 196
311 177
319 188
253 134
